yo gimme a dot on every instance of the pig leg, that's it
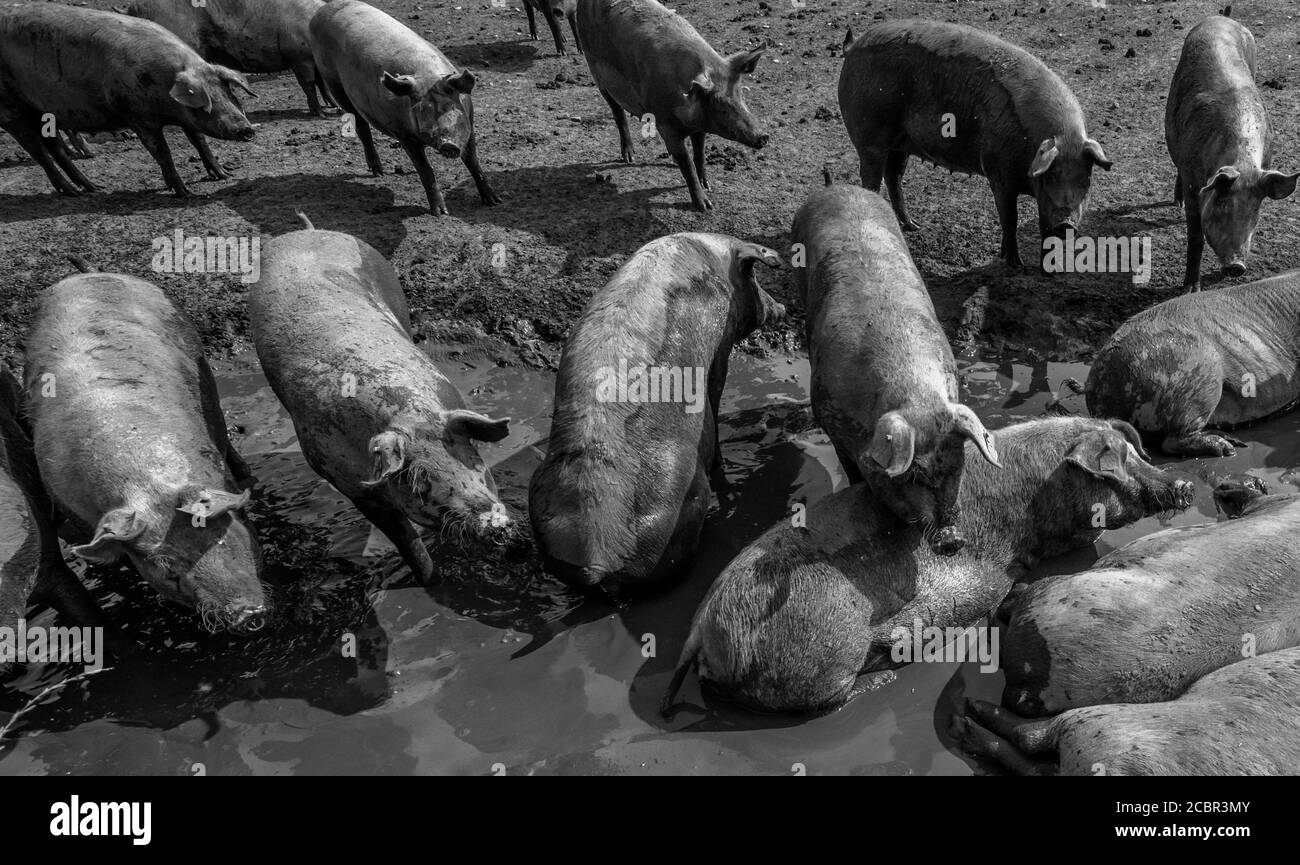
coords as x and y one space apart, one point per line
871 168
63 157
1005 196
399 530
532 24
306 75
1195 240
215 169
153 140
368 145
325 95
697 145
30 139
556 33
624 137
676 145
850 466
895 165
420 159
573 25
470 158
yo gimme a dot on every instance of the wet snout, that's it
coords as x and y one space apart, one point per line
448 149
947 541
247 617
1234 267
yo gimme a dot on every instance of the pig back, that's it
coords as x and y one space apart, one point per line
260 35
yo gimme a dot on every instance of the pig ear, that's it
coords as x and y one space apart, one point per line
743 63
1127 430
748 253
214 503
969 426
472 425
388 450
1096 155
234 79
1047 152
1222 180
701 85
1275 184
399 85
1094 455
464 82
189 91
894 444
115 528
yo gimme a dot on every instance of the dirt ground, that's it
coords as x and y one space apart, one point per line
571 214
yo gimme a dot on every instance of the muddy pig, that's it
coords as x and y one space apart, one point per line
648 60
1154 616
374 415
128 73
619 501
553 11
386 76
884 382
248 35
132 445
1225 357
803 611
1219 138
967 101
1243 719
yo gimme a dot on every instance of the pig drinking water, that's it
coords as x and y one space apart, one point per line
648 60
884 382
386 76
374 415
248 35
621 496
1219 138
967 101
1225 357
800 613
132 445
553 11
128 74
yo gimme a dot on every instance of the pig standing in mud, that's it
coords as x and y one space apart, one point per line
132 445
248 35
374 415
800 613
1240 720
965 100
553 11
1219 138
621 497
1152 617
128 74
884 382
648 60
386 76
1225 357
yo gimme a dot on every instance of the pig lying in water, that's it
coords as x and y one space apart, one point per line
248 35
1240 720
131 442
648 60
386 76
1156 615
1225 357
128 74
622 494
889 404
553 11
793 621
1218 134
967 101
374 415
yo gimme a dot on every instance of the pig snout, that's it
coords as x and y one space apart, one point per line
947 541
247 617
1234 267
448 149
495 525
1181 494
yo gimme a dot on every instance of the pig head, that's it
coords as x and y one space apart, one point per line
1060 177
1229 205
440 114
716 102
206 94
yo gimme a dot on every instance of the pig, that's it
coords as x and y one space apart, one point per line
1221 143
374 415
1219 358
801 613
967 101
648 60
386 76
1239 720
553 11
1152 617
618 503
884 382
248 35
132 446
129 74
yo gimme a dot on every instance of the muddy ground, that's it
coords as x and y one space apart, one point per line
571 214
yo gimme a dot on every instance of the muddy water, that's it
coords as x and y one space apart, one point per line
505 671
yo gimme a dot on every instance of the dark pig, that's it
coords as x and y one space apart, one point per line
802 612
386 76
967 101
884 382
619 501
132 445
553 11
128 73
648 60
374 415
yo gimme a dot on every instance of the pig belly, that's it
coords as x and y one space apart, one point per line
919 140
624 92
1274 373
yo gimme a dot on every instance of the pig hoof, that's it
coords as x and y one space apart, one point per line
628 156
490 198
703 204
910 225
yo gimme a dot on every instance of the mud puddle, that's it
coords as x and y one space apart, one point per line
505 671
